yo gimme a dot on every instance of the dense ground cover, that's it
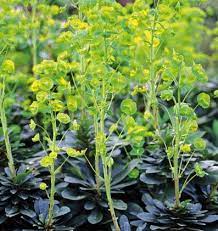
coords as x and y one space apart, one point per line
108 115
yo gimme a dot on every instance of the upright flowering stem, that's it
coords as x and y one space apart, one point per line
52 171
107 180
176 148
106 168
34 33
102 147
5 131
152 96
52 194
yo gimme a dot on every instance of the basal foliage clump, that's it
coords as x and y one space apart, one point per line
113 99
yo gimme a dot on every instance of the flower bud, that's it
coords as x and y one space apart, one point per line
43 186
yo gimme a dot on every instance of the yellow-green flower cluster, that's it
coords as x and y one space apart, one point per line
186 148
74 153
63 118
76 23
48 160
8 67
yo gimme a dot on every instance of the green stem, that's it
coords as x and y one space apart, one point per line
152 96
52 172
5 132
187 181
101 146
7 143
181 171
34 35
176 172
51 196
97 154
176 163
107 181
176 149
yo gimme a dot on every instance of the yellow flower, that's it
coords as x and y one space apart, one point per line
148 35
145 71
71 152
46 161
82 25
63 82
43 186
147 115
138 89
185 148
74 65
107 9
142 89
137 39
41 96
51 22
8 66
57 105
156 42
55 9
200 144
77 24
45 84
54 148
133 22
63 118
144 13
74 153
63 56
71 103
65 36
35 86
193 126
53 155
132 73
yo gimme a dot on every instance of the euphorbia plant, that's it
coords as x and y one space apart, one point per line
160 73
176 84
51 89
99 64
95 78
